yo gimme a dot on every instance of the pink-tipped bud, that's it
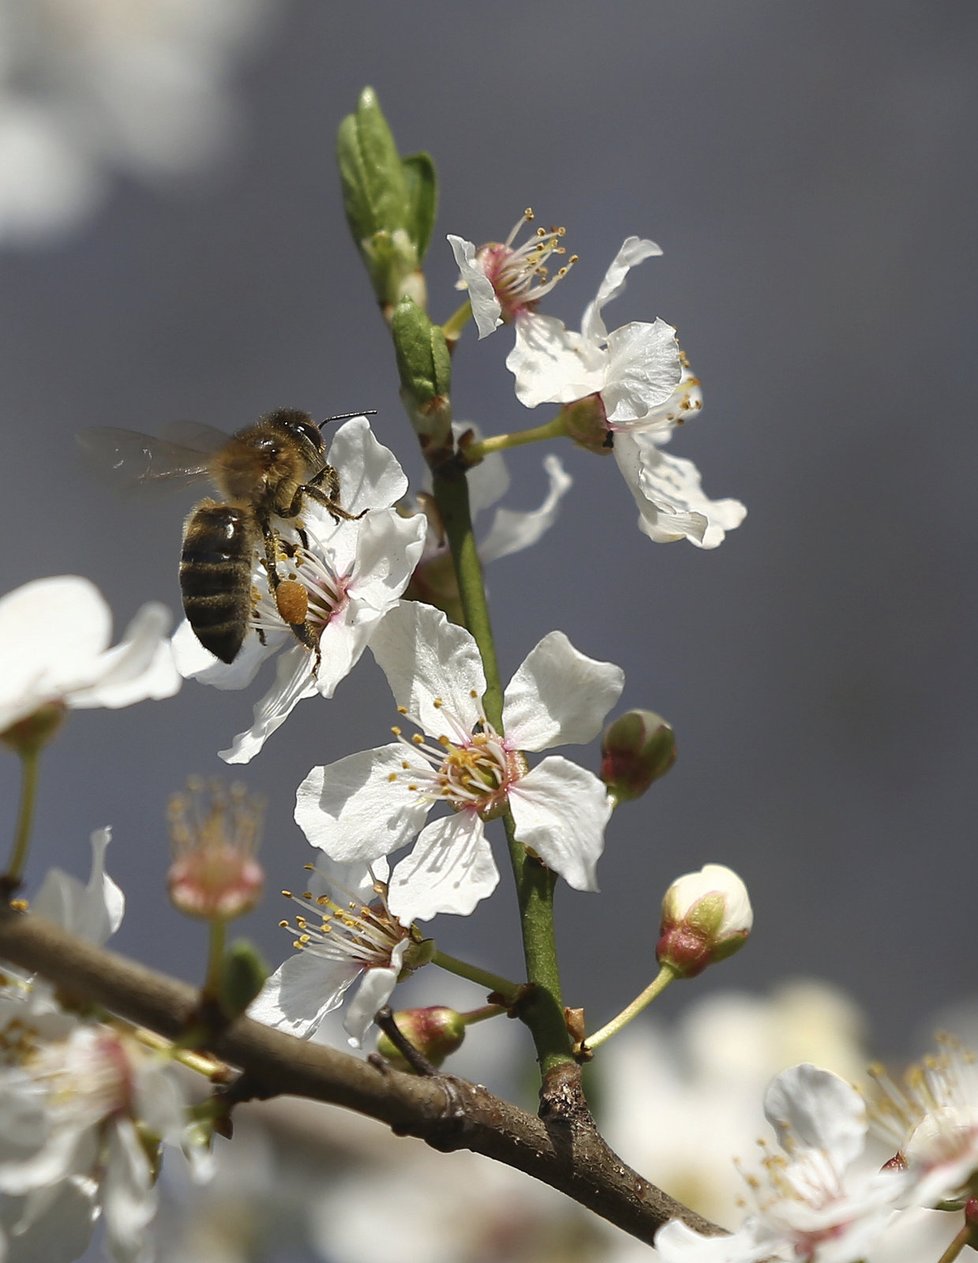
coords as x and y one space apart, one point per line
214 874
706 917
637 748
435 1032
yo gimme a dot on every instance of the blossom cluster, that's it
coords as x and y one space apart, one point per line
84 1105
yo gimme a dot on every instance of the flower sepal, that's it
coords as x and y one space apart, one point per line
586 423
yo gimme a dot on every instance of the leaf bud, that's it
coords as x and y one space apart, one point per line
435 1032
390 203
425 368
638 748
706 917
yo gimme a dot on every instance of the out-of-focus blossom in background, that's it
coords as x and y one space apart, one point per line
679 1105
92 86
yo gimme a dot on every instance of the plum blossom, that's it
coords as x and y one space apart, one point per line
931 1119
54 644
634 369
88 85
346 574
641 388
814 1201
375 802
345 931
506 281
77 1099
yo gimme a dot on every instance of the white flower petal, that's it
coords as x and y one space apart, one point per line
559 696
633 251
141 666
676 1243
92 912
450 870
370 475
354 810
373 993
513 530
302 991
388 549
194 662
670 497
293 682
561 811
427 659
486 310
128 1193
51 632
813 1108
642 372
551 364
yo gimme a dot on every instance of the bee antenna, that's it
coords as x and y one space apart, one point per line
345 416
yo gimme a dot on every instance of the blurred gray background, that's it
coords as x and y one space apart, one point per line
805 169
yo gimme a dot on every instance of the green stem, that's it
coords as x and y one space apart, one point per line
481 1015
655 988
553 429
30 760
215 962
482 977
456 322
961 1239
542 1010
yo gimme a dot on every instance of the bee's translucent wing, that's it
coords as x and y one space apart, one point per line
130 459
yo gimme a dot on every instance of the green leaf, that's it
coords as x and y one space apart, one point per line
421 182
375 191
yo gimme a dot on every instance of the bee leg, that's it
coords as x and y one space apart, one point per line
336 510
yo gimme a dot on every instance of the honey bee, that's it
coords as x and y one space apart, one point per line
261 472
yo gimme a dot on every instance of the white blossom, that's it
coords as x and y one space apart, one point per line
54 644
506 281
814 1201
375 802
351 572
931 1118
344 932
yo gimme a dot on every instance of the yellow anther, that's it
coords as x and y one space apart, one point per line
437 703
402 710
528 214
283 925
417 739
287 893
392 777
396 731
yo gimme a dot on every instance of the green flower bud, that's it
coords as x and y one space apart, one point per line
638 748
243 974
435 1032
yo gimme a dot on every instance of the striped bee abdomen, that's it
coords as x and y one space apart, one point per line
215 576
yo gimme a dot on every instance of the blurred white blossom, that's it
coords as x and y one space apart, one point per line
54 644
92 86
